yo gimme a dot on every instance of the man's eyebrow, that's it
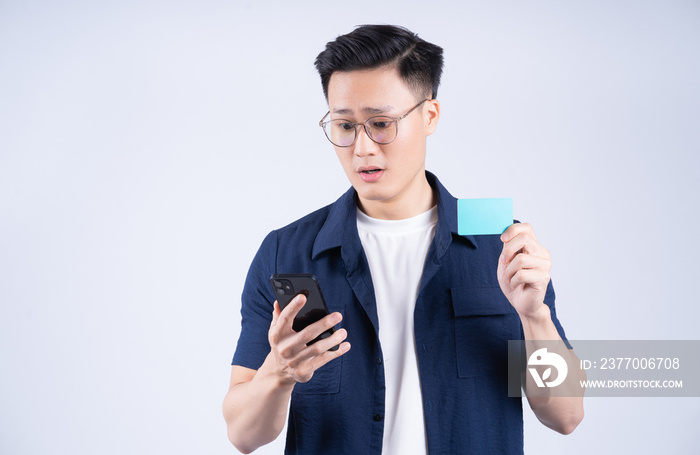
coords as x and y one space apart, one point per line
366 110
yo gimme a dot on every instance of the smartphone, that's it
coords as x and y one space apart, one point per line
286 286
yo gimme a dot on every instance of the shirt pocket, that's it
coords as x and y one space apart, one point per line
325 380
484 322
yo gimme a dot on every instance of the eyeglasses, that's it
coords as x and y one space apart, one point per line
381 129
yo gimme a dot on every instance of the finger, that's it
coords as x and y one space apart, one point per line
298 354
294 344
275 312
522 243
320 347
286 317
325 344
513 247
312 331
527 261
282 320
318 361
529 277
275 333
516 229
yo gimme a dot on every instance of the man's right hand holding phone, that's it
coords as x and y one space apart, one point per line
295 360
255 406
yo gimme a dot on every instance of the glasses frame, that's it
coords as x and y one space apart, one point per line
394 120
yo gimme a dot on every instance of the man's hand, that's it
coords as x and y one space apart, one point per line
523 274
294 360
523 269
255 407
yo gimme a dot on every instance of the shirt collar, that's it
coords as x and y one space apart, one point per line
343 212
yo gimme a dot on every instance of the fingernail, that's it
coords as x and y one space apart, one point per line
337 317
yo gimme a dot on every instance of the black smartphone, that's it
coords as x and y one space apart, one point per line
286 286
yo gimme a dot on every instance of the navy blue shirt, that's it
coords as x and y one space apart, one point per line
462 324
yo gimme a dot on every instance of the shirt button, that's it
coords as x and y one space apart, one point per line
377 417
379 360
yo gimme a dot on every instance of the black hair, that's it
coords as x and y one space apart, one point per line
418 62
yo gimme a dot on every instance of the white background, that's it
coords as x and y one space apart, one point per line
147 147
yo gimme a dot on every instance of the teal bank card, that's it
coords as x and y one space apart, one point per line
484 216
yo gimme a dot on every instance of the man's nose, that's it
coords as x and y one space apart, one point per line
363 144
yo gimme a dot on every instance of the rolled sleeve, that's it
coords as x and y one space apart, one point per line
549 301
257 303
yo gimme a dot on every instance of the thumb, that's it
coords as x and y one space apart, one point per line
275 312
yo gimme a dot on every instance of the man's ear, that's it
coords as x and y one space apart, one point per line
431 116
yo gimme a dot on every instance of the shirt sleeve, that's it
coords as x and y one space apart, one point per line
257 303
549 301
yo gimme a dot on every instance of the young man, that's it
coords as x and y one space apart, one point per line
428 312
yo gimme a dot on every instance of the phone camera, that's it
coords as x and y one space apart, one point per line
283 287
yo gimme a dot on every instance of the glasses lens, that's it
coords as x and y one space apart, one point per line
382 130
340 132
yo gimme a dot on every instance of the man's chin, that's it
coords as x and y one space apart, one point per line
372 194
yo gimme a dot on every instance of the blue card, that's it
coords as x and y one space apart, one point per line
484 216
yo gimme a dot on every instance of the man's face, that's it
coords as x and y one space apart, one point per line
382 173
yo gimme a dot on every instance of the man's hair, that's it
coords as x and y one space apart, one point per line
418 62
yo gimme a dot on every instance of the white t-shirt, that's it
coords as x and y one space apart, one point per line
396 251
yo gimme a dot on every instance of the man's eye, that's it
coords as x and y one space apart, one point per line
380 124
